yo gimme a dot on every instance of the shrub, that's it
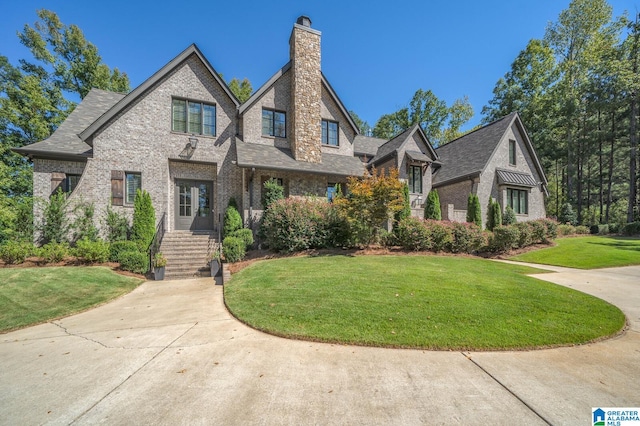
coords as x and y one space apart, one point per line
474 213
441 236
631 229
525 237
291 225
55 227
406 204
233 249
465 238
509 217
271 192
245 235
552 228
372 200
388 239
538 231
582 230
565 229
143 228
233 203
599 229
568 215
134 261
614 228
494 214
232 221
118 247
92 251
504 238
54 252
413 234
432 206
83 226
15 252
117 226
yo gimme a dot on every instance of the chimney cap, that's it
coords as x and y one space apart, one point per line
304 20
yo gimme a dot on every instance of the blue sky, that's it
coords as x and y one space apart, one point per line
375 54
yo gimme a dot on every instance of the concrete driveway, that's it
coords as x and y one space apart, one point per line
169 353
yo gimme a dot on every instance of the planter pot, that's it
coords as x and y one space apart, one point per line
158 273
214 264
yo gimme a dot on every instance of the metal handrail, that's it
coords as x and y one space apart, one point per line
154 247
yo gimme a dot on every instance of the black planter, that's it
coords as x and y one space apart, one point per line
158 273
214 264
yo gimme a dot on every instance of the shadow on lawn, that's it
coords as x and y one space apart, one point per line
621 243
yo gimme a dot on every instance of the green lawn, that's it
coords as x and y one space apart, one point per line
589 252
34 295
429 302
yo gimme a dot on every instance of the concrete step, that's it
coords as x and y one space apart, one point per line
187 254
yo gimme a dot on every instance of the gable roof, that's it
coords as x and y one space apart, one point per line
65 142
468 156
392 147
274 158
150 82
269 83
367 145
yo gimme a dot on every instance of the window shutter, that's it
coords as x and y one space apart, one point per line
57 179
117 192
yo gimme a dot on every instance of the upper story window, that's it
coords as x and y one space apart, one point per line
415 179
193 117
274 123
330 133
512 153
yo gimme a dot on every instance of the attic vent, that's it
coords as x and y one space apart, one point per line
305 21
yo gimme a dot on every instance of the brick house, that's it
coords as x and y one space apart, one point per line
185 138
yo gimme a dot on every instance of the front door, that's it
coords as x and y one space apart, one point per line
193 205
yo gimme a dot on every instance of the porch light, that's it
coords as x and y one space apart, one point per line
419 199
193 142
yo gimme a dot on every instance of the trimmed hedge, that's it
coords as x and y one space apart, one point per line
291 225
466 238
134 261
119 247
233 249
92 251
631 229
15 252
417 234
54 252
246 235
504 238
412 234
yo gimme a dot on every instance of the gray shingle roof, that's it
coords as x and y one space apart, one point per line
65 142
272 158
367 145
468 155
393 145
515 178
418 156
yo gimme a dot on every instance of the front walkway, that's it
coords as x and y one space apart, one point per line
169 353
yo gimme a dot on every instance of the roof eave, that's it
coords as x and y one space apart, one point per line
458 179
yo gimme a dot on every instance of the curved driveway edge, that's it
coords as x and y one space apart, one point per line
170 353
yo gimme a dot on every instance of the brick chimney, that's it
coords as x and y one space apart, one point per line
306 82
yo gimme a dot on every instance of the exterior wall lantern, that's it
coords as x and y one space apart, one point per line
193 142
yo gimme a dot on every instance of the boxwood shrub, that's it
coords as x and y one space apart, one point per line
92 251
16 252
504 238
134 261
118 247
54 252
233 249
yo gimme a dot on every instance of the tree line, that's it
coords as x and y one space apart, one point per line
576 90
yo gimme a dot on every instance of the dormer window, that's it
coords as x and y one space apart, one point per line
330 133
274 123
197 118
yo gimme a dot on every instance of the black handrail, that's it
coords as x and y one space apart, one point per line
154 247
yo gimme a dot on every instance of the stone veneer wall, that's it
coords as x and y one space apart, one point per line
456 195
306 92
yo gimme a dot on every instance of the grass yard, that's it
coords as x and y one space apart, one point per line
589 252
429 302
33 295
